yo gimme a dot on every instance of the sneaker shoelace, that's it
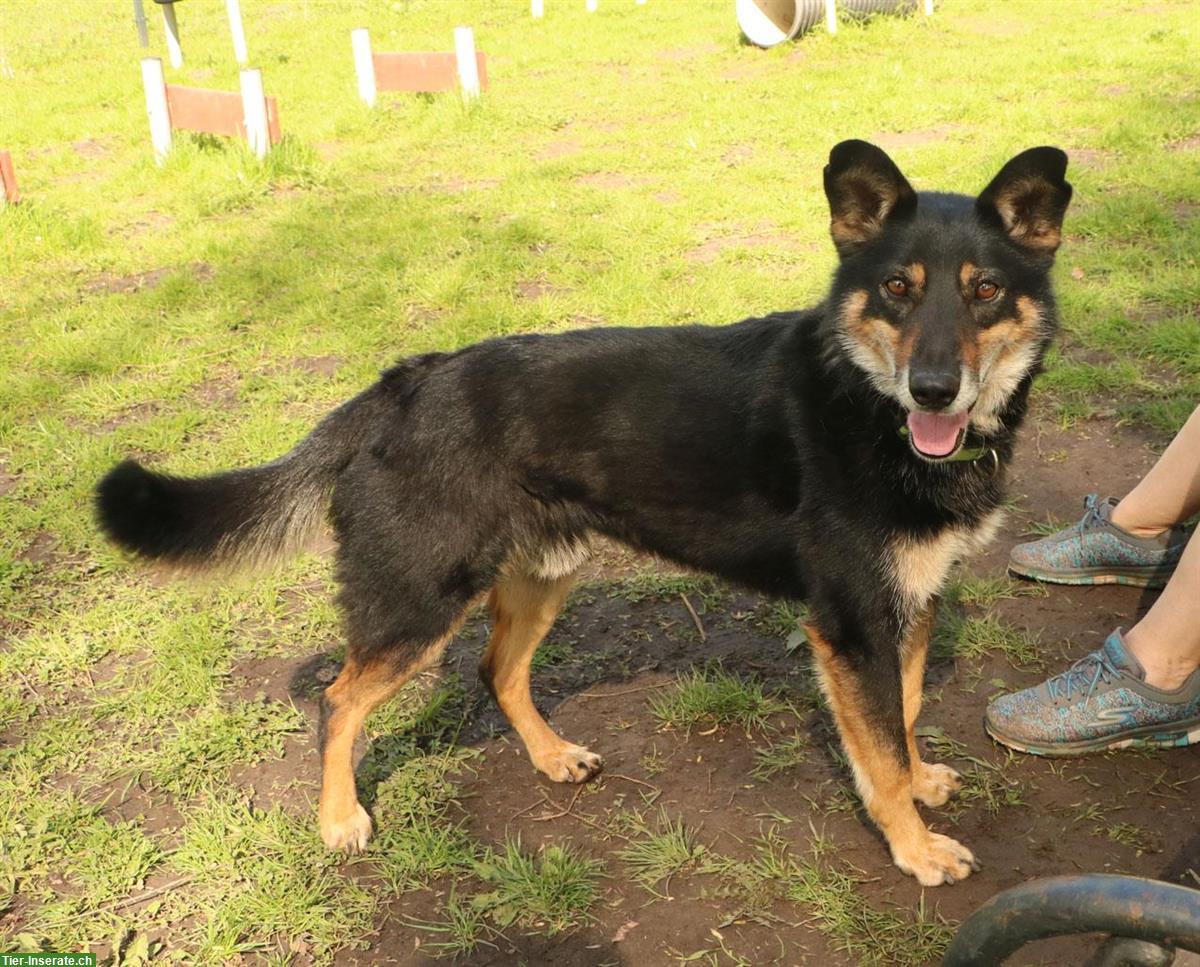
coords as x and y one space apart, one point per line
1090 519
1089 671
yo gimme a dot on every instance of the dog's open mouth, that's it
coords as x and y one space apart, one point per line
936 436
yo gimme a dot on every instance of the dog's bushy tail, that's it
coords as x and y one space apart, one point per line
253 516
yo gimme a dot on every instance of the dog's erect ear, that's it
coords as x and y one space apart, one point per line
865 189
1029 198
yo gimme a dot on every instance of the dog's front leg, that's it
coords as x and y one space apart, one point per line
863 686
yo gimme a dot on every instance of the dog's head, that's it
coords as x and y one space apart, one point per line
944 301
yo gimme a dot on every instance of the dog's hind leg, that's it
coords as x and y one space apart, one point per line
361 687
523 609
932 783
865 695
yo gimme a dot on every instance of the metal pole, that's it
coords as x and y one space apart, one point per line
139 18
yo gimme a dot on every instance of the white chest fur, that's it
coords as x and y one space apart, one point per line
919 566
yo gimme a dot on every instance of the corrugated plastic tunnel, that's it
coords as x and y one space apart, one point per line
769 22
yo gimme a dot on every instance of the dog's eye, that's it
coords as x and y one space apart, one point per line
986 291
896 286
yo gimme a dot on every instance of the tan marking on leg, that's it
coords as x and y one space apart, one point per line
357 692
885 781
523 610
932 783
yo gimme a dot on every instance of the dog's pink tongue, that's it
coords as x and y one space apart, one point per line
935 434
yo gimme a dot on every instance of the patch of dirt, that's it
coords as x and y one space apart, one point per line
8 481
1091 157
1186 210
123 800
328 150
149 222
459 186
729 237
108 282
609 180
220 390
562 148
41 550
326 366
1191 143
739 154
90 148
134 413
667 197
293 779
539 289
1114 90
676 55
893 140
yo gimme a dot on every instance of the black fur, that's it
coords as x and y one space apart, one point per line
758 451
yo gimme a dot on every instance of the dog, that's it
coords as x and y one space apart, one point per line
844 455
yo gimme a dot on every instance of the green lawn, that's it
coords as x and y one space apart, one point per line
636 166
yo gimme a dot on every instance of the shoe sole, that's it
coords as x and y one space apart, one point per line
1132 577
1148 737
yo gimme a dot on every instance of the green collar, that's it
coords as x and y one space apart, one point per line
965 454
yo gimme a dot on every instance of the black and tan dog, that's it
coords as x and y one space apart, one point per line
845 455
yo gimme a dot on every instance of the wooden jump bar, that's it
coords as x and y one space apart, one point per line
215 112
420 73
250 114
423 73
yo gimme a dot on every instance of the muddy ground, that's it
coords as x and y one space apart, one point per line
1057 819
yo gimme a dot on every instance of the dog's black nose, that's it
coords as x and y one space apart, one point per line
933 388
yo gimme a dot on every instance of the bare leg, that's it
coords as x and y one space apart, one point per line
523 610
1170 492
1167 639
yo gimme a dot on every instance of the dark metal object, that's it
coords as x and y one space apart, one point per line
1128 906
139 18
1127 952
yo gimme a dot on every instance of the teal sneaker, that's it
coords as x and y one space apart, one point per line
1101 702
1097 551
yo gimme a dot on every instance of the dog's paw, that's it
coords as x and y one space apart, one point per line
350 833
569 763
939 859
933 783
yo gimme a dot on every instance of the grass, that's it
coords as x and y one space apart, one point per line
776 757
637 166
974 636
987 783
828 891
552 891
653 584
659 854
717 698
